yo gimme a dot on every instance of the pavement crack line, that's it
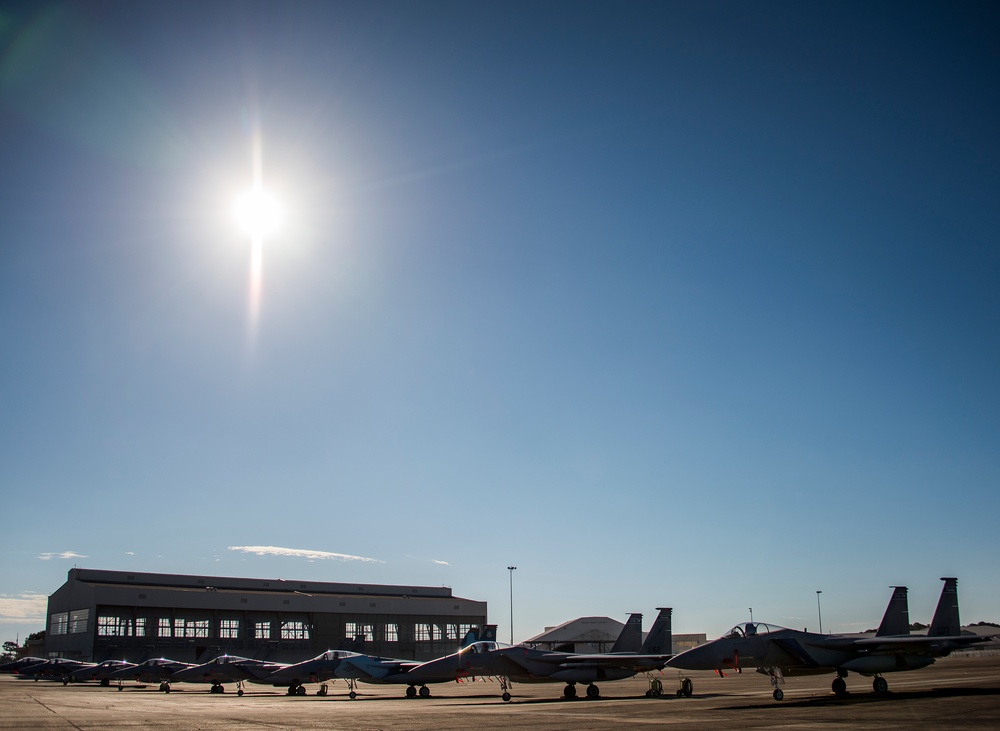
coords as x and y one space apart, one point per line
55 713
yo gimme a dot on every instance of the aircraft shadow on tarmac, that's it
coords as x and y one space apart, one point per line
889 697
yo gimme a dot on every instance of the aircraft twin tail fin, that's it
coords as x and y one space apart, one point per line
660 639
946 622
489 634
896 620
630 638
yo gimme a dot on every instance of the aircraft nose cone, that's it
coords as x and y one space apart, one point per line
703 657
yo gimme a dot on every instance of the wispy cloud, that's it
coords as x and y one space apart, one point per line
301 553
63 554
24 607
440 563
129 553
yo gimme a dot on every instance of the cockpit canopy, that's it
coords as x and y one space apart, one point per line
482 646
336 655
749 629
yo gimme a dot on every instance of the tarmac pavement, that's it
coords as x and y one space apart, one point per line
954 693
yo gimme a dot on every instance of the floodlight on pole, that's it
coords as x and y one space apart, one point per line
511 570
819 610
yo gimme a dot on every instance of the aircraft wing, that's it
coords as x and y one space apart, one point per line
612 660
372 669
921 643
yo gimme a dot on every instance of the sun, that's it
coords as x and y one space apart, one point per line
258 212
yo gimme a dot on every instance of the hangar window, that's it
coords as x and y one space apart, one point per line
59 624
164 628
355 629
191 627
392 632
140 626
78 621
464 629
262 630
294 630
108 626
451 631
229 628
422 632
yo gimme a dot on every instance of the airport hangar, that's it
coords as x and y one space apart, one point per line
98 615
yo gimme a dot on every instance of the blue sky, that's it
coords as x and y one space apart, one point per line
683 304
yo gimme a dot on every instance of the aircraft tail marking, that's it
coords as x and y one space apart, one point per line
660 640
630 638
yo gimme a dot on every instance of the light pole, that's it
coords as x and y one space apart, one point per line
819 610
511 569
751 615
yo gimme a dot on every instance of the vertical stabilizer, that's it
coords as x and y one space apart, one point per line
660 639
946 622
896 620
489 633
630 638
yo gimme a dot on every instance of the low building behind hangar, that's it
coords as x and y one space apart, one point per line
98 615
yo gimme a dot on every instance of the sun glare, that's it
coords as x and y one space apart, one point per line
258 213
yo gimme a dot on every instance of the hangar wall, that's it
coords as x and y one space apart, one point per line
98 615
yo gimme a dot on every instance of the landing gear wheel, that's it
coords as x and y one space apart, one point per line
687 688
411 692
301 690
240 692
593 691
778 694
105 682
166 687
425 692
506 697
839 687
880 685
119 688
291 690
569 691
352 695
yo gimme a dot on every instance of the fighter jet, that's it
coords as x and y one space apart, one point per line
157 669
228 669
354 666
777 651
14 666
380 671
101 672
56 668
526 665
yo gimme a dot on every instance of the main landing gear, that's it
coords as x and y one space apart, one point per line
686 689
164 687
880 685
217 688
569 692
411 692
839 685
296 689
